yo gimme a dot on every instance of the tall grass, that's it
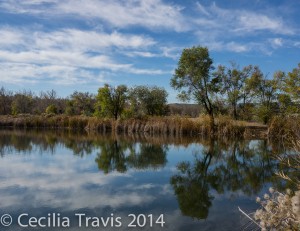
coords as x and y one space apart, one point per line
285 128
175 125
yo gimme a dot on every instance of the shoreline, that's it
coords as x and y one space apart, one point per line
171 125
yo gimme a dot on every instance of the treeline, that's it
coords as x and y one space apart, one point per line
110 102
243 93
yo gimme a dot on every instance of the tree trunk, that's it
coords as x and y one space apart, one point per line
235 112
212 123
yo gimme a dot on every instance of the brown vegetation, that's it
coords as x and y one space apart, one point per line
285 128
172 125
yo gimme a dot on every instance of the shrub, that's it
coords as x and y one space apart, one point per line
51 109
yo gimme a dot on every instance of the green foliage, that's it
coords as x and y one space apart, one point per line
193 78
286 104
247 112
290 83
22 103
236 85
264 113
51 109
14 108
244 93
145 100
82 103
265 94
110 102
293 83
69 110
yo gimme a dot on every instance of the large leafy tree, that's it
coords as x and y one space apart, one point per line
110 101
293 82
234 85
266 91
194 80
289 85
22 103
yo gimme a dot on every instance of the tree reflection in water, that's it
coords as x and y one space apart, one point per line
241 166
191 185
121 155
112 156
219 166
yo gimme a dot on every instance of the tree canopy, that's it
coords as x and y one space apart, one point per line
111 101
194 80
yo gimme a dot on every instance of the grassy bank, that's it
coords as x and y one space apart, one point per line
225 127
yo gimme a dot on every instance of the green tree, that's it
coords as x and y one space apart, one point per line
145 100
22 103
250 92
194 80
234 87
264 93
293 83
267 95
286 105
289 86
51 109
110 102
82 103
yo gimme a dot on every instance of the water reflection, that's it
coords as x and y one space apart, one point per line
140 172
241 166
120 155
191 186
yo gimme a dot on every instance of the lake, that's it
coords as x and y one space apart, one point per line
56 180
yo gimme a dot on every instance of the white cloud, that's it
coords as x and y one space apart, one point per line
145 54
220 28
276 42
246 21
89 40
71 39
73 56
153 14
51 179
67 56
249 21
20 73
202 9
226 46
172 51
233 46
9 37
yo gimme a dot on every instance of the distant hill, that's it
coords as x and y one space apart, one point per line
184 109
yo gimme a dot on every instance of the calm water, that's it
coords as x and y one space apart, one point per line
194 184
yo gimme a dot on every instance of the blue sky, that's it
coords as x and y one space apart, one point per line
70 45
